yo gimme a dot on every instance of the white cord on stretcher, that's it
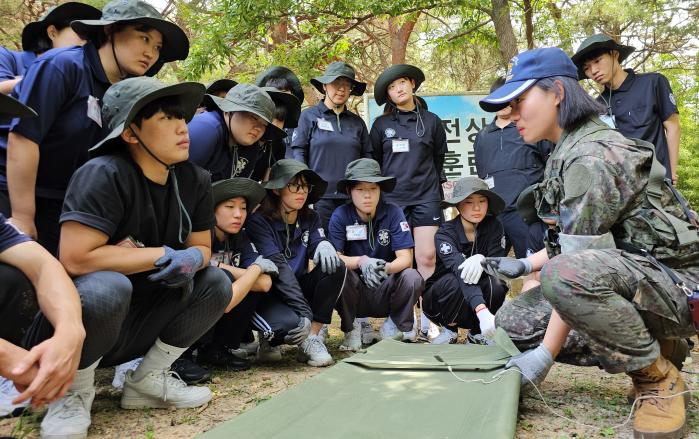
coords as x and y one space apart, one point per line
499 375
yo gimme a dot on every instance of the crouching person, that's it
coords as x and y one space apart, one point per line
135 231
374 241
458 294
287 232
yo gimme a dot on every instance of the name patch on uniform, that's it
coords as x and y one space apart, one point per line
400 145
390 133
93 110
404 227
384 237
445 248
325 125
355 232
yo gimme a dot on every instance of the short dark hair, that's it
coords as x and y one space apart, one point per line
43 42
279 83
280 111
576 107
269 206
100 37
499 82
594 54
170 105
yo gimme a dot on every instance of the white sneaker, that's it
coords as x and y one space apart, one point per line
313 352
8 392
369 334
120 372
445 337
390 330
323 333
246 350
162 389
353 339
410 336
267 353
69 417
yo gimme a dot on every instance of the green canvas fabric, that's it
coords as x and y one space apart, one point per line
394 389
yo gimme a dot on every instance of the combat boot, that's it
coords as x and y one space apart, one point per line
660 415
676 352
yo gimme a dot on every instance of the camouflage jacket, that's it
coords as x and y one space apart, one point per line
595 182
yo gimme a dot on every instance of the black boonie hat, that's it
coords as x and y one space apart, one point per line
285 170
126 98
34 32
594 43
365 170
289 101
175 41
339 69
392 73
281 72
11 107
467 186
252 191
526 207
213 88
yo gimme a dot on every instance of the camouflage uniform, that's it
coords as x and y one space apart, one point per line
618 303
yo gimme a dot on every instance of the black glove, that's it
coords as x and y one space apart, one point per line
507 268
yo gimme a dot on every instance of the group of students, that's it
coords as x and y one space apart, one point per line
185 218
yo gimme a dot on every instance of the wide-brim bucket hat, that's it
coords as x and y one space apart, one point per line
213 88
526 205
123 101
280 72
252 99
252 191
392 73
595 43
175 41
525 69
339 69
365 170
289 101
34 32
284 170
11 107
467 186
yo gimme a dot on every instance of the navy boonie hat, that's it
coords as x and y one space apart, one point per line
11 107
525 69
34 32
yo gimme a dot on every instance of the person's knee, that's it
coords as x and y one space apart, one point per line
507 317
105 296
561 273
216 288
413 280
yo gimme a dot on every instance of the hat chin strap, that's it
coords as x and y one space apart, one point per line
183 211
122 74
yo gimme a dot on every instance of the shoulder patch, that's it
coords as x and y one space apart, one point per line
384 237
445 248
672 99
576 181
390 133
404 227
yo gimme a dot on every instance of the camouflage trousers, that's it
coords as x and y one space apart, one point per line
618 305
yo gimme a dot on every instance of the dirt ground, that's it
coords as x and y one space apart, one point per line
594 401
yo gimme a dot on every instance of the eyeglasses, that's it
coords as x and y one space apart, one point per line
343 84
295 188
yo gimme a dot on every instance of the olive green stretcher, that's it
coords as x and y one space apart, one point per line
394 390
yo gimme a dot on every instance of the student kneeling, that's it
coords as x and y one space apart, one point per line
373 238
458 294
135 229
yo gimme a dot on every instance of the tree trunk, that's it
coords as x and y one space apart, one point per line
280 31
400 35
507 42
529 23
565 42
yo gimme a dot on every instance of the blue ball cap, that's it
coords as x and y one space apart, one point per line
524 70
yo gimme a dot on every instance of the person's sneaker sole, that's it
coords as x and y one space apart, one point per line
349 348
64 436
141 402
303 358
677 434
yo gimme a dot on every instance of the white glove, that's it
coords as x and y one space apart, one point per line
471 269
487 322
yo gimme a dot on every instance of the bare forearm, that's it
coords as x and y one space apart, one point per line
58 299
113 258
672 133
262 284
556 333
7 86
22 165
538 259
399 264
351 262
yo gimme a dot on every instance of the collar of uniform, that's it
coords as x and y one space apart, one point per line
492 126
93 60
279 226
323 109
403 116
626 85
591 126
459 228
381 211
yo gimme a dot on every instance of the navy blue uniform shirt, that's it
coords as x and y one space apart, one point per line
235 250
270 236
10 235
453 248
12 64
418 170
326 148
640 106
210 148
58 86
513 165
391 232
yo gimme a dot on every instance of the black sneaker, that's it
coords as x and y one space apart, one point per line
189 371
221 356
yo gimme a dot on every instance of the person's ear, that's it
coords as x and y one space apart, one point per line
412 84
276 192
52 32
560 92
129 137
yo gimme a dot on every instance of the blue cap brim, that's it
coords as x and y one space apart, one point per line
501 97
